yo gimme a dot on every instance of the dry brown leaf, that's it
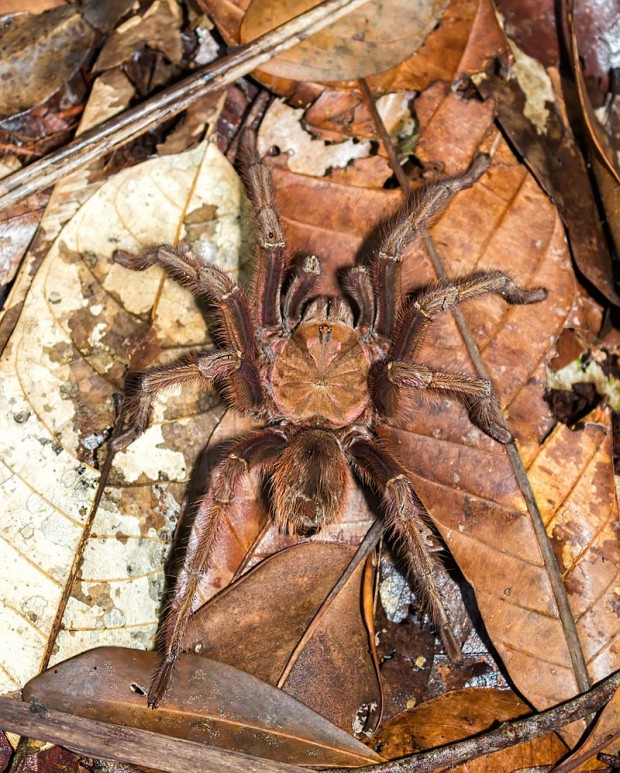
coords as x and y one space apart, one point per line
208 701
256 624
370 40
29 57
461 714
466 41
466 481
532 115
158 27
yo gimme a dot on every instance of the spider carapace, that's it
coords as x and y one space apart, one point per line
323 373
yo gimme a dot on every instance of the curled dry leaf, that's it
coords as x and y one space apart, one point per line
29 55
369 40
460 714
256 624
533 116
158 27
217 704
66 358
466 41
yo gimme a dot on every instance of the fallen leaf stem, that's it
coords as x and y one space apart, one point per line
510 733
111 134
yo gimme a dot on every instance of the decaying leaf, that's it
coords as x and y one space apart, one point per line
157 28
62 365
531 113
370 40
208 701
461 714
30 59
272 606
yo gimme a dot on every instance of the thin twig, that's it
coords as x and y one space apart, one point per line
111 134
398 170
129 744
509 733
551 565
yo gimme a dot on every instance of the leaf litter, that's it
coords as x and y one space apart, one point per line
578 547
61 369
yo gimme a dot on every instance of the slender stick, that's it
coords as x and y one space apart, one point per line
551 565
399 172
507 734
109 135
105 740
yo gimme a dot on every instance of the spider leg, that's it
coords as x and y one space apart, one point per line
271 260
418 314
301 288
357 284
257 449
420 211
204 279
392 377
407 518
240 379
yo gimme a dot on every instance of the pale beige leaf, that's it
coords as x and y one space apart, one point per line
61 367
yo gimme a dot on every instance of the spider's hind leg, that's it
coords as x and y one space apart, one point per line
407 518
258 449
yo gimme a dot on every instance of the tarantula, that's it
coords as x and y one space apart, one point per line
323 373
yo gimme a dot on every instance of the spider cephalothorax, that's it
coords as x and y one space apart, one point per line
323 373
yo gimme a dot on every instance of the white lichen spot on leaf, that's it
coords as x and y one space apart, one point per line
81 322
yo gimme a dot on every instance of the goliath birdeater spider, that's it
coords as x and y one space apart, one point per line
322 373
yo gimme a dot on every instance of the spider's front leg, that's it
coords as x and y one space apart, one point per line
419 213
259 449
271 259
239 377
389 380
234 365
407 518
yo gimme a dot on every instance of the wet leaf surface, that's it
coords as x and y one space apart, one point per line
208 701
